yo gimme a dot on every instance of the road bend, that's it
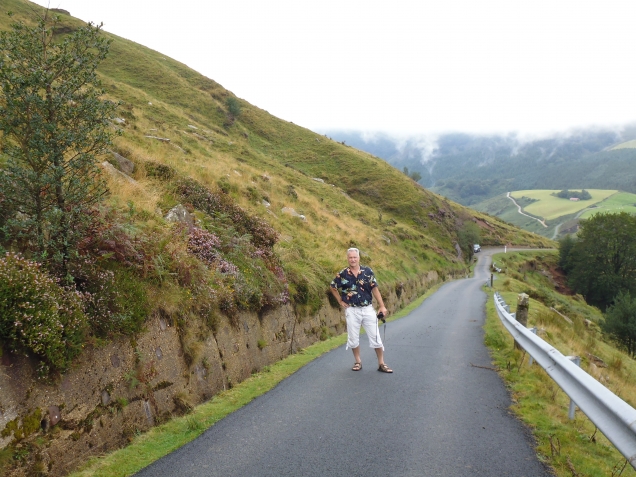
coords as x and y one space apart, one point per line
438 414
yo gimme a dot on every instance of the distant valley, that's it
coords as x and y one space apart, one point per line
539 211
469 168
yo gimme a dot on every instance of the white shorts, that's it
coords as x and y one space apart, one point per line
365 316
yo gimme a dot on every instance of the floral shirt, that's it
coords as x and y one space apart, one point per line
355 291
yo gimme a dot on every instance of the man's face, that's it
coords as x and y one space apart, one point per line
353 258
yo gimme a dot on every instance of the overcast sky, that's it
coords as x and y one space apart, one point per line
410 67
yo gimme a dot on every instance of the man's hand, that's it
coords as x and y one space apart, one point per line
378 297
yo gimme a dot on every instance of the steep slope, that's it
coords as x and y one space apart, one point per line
369 199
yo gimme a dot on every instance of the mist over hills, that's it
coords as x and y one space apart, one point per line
469 168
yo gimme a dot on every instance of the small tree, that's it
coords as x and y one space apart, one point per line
416 176
54 123
468 235
233 108
602 260
620 322
565 247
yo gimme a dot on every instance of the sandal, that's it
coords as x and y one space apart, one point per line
357 367
384 368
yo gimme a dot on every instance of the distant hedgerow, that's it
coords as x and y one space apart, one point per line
37 315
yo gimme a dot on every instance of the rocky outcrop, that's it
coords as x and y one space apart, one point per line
125 165
117 173
118 390
292 212
180 214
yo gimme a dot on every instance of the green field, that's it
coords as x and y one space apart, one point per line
620 202
550 207
626 145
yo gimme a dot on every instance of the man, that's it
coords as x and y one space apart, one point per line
354 288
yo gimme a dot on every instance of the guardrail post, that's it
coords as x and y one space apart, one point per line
523 303
534 330
576 360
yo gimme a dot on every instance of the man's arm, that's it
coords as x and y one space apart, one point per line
376 294
334 292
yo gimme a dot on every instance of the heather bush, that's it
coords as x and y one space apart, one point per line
204 245
114 301
37 316
217 203
111 238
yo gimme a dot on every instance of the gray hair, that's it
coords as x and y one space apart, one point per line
353 249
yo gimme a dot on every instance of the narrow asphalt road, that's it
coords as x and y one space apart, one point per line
436 415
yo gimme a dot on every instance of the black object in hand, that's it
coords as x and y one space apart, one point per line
381 317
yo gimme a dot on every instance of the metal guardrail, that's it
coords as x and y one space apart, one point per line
614 417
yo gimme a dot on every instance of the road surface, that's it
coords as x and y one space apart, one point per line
436 415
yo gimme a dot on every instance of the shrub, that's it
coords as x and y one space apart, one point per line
233 107
37 315
620 322
204 245
132 303
219 204
159 171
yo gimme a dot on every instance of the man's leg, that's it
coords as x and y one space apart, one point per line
356 354
381 364
379 352
354 320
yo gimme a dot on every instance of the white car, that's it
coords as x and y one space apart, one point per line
476 248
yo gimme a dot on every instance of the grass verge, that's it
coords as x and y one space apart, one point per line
161 440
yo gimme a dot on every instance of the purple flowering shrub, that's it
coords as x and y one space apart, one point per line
246 277
204 245
217 203
114 301
38 316
236 247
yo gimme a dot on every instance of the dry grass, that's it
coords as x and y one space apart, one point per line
144 195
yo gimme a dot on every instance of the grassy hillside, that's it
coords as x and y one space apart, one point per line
361 199
274 205
619 202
